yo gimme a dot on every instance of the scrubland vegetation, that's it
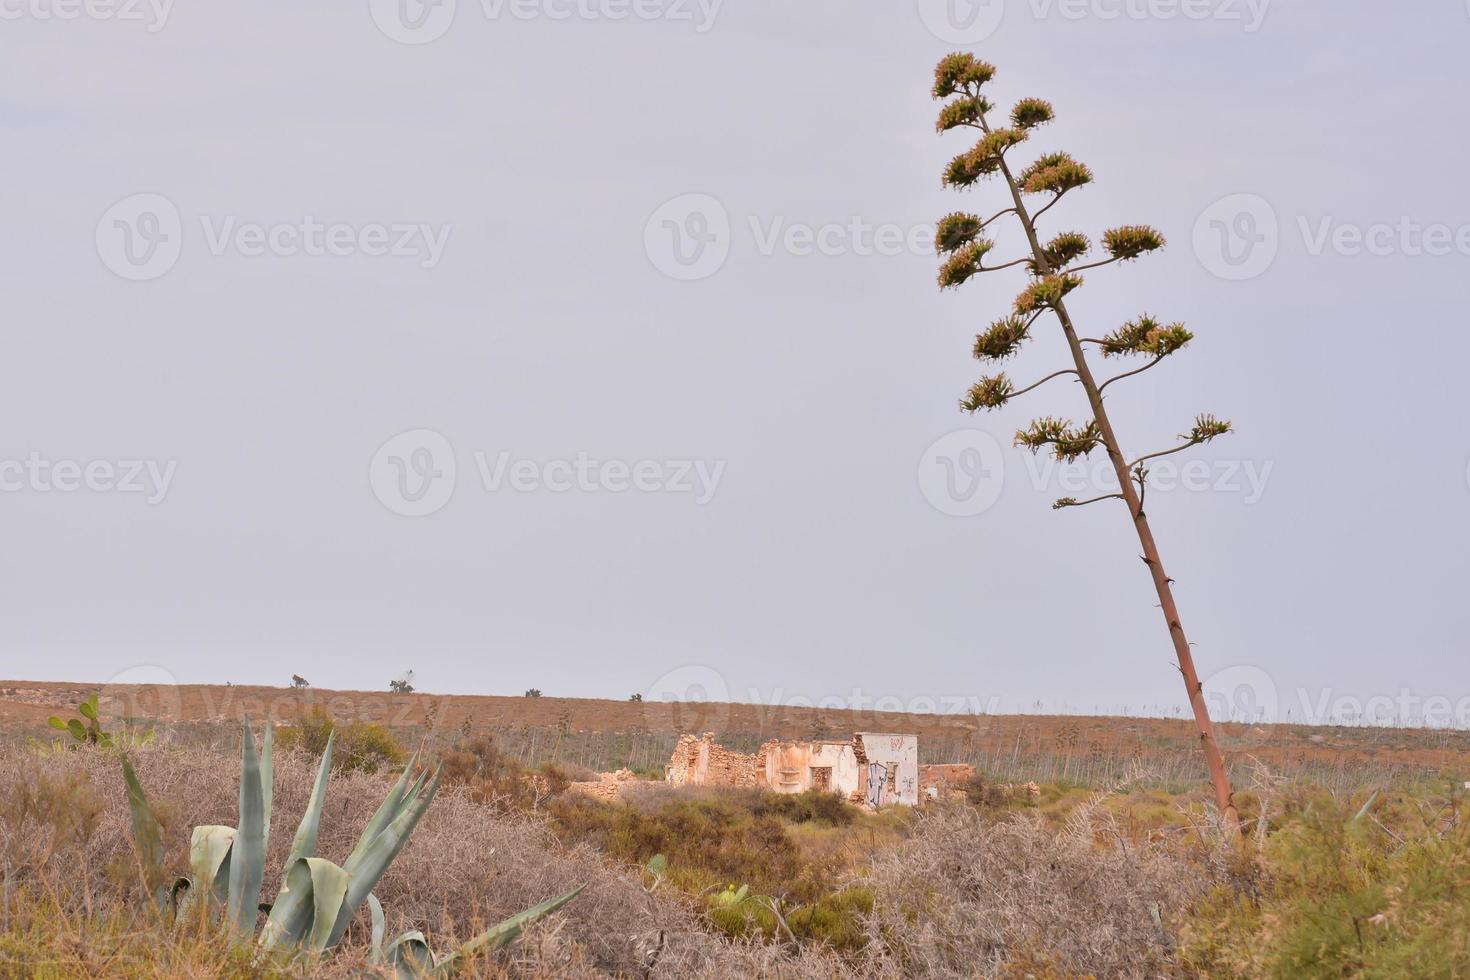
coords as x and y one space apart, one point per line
1067 881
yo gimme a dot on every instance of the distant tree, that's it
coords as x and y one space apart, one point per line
298 681
534 692
403 685
1052 275
635 697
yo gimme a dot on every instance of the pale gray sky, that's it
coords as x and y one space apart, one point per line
794 534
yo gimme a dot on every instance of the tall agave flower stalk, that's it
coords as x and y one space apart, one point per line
318 899
1054 272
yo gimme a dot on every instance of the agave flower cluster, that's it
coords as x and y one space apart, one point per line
318 899
1054 267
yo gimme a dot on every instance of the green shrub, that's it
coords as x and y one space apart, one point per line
1339 895
813 805
360 745
708 842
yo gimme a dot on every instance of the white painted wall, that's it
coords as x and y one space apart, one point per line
898 754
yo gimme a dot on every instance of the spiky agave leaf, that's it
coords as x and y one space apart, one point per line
267 778
304 844
247 856
367 867
410 957
307 907
385 814
375 908
147 834
501 934
209 857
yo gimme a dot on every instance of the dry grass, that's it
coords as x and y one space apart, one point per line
1069 883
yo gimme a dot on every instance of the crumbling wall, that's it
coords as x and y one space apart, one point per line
941 781
703 762
786 767
608 786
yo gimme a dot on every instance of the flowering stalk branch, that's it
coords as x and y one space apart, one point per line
964 76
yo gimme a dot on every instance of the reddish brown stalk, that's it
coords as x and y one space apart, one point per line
1214 759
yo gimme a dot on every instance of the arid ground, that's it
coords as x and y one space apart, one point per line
604 734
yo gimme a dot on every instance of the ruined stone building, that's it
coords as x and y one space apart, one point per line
872 768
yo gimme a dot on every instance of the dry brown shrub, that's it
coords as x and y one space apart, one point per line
464 867
964 897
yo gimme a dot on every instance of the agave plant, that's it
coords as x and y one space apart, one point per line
318 899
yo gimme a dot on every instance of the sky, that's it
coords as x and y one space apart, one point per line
595 346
